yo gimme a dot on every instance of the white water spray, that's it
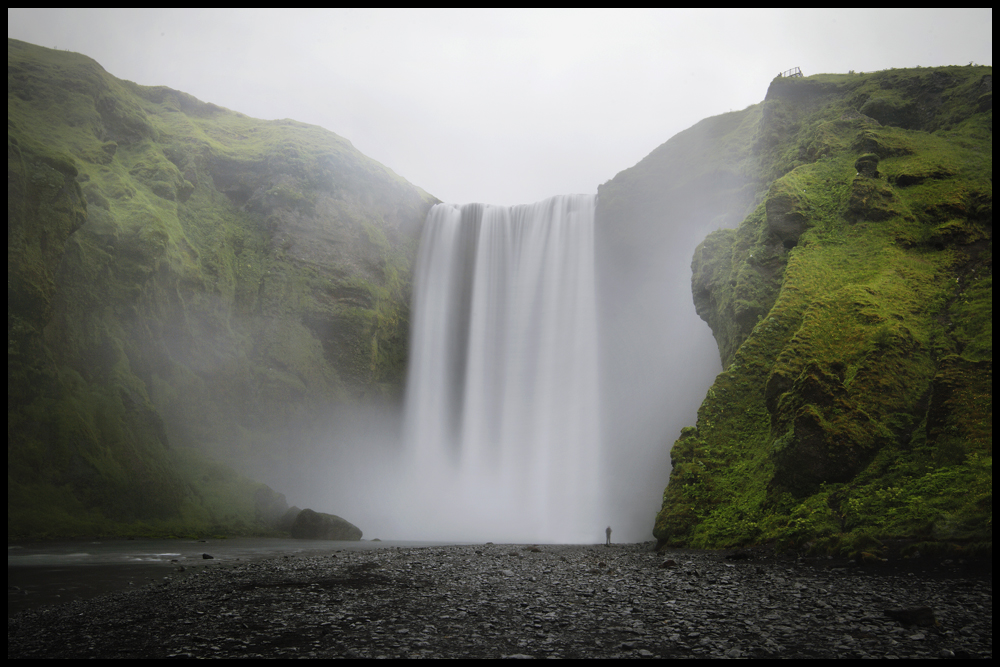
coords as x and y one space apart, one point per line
502 401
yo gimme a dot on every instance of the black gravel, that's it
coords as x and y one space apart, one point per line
492 601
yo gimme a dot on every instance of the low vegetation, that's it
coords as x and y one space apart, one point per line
852 308
188 288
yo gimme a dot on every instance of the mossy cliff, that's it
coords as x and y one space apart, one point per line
184 285
852 308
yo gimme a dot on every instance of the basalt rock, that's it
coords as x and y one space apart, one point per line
786 219
867 165
311 525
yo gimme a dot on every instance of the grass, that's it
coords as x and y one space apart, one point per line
179 276
852 315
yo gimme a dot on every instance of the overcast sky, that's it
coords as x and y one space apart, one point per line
503 107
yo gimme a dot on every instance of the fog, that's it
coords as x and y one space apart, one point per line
400 481
511 107
501 107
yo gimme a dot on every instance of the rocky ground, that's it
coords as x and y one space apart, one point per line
491 601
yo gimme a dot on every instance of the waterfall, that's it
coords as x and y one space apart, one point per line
502 432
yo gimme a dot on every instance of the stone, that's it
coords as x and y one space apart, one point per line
867 165
786 219
312 525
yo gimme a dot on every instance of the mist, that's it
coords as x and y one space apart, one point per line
654 363
499 106
658 359
506 108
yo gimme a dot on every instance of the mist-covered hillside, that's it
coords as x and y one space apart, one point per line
189 292
852 308
197 301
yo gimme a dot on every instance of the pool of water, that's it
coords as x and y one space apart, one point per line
45 573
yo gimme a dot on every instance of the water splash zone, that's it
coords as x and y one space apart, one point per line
502 396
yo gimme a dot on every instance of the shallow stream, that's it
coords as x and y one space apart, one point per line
43 573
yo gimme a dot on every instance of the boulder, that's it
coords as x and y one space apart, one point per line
312 525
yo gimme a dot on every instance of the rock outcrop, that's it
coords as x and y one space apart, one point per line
311 525
852 311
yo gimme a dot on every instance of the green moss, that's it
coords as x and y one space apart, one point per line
181 275
852 310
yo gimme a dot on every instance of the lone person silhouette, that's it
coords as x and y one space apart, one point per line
607 532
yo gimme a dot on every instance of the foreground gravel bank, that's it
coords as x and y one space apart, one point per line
492 601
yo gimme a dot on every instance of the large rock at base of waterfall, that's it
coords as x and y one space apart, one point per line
312 525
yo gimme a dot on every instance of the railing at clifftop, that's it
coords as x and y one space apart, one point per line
795 71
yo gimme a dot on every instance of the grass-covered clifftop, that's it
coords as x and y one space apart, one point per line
185 285
853 313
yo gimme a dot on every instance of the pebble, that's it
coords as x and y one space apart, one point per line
504 601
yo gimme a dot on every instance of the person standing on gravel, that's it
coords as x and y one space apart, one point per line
607 532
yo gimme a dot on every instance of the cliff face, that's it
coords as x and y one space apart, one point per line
657 357
852 309
184 281
191 290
